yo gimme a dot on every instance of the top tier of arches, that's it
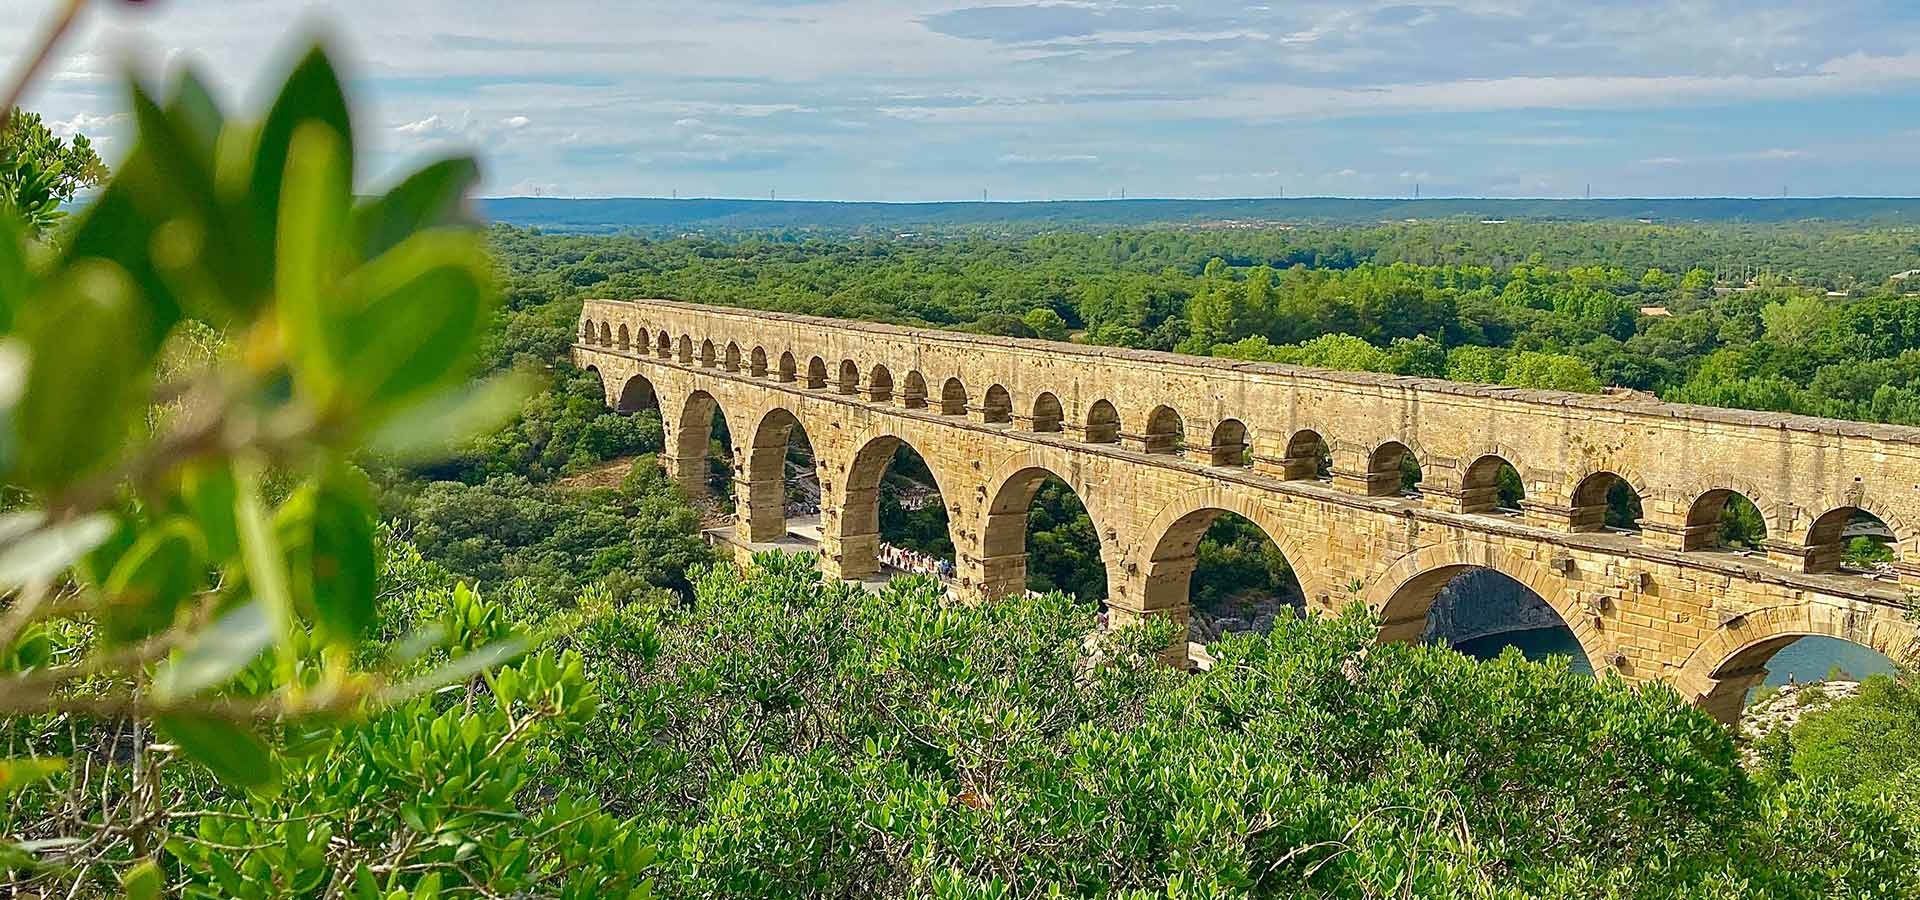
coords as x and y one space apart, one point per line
1805 494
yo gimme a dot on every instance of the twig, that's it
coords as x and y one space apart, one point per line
68 15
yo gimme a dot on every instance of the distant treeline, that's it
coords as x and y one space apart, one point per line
657 215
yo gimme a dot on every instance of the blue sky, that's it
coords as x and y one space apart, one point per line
942 99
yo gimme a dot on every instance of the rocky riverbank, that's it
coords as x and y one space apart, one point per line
1780 708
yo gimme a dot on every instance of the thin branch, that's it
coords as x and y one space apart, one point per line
61 25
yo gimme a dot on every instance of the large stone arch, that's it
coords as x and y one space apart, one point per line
1720 672
1009 494
638 393
1162 561
762 472
691 438
850 526
1402 595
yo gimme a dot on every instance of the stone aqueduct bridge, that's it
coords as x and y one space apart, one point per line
1156 445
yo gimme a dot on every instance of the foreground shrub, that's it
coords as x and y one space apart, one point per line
815 739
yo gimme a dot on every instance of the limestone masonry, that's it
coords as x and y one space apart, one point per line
1158 444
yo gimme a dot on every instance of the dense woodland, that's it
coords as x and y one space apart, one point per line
324 597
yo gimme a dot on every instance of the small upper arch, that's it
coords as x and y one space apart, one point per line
1103 423
1308 456
789 371
685 349
606 335
732 358
1724 518
1165 432
913 394
1047 412
849 381
1393 470
1230 446
707 355
626 337
816 373
664 346
879 384
953 398
757 363
998 408
1491 483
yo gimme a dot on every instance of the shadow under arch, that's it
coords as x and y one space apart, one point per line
1724 669
857 524
1404 594
1172 541
1010 493
765 476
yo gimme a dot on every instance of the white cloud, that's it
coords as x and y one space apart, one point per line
1029 159
516 122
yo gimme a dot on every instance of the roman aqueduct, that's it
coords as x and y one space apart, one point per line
1157 445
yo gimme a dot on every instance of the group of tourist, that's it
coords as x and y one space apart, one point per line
915 562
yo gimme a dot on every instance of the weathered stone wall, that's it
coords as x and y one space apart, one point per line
1646 605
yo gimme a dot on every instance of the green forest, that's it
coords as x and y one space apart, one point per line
325 575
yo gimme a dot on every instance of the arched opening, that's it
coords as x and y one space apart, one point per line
849 381
953 398
703 438
707 355
587 331
626 338
684 349
664 346
1226 571
1789 664
1103 423
1039 537
1230 448
789 372
757 363
1480 612
816 373
783 480
1724 519
1308 457
998 408
895 520
1047 413
914 394
1853 541
606 335
638 395
880 385
1492 485
1606 502
1165 433
732 359
1392 471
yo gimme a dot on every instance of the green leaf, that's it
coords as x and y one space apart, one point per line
209 493
203 249
31 552
16 280
165 567
311 93
419 311
143 881
192 107
313 213
216 654
84 387
234 754
432 428
328 534
430 198
17 774
13 384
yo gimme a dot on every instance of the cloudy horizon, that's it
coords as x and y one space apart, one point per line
945 99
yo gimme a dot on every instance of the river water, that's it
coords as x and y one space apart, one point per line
1804 660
